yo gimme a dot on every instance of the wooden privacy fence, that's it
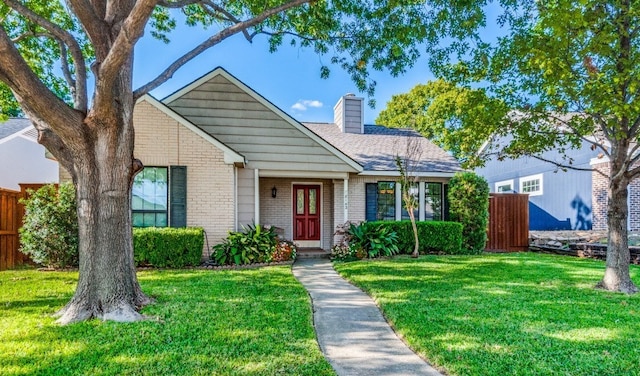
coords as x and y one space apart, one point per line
10 221
508 222
11 213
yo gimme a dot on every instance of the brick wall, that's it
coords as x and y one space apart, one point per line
162 141
634 205
600 199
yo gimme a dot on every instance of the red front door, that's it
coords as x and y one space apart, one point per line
306 212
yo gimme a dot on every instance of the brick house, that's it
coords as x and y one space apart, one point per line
218 155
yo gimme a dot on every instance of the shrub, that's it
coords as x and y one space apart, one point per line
435 236
49 234
469 205
285 250
255 244
344 251
372 239
167 246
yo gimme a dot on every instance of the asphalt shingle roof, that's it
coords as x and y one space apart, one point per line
13 125
377 148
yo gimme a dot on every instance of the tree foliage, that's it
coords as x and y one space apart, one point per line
49 235
456 118
469 205
567 72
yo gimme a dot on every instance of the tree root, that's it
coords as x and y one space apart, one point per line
626 288
120 312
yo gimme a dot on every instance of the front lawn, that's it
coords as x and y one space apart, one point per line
507 314
248 322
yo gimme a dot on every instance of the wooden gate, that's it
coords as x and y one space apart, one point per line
10 222
508 222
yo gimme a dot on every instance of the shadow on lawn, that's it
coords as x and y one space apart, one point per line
255 322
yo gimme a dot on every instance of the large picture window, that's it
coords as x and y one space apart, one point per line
382 202
386 201
149 198
414 191
433 201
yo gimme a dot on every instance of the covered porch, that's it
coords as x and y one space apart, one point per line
302 205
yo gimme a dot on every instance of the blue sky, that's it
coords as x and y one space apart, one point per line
289 78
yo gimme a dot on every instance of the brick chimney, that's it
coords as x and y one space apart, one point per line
348 114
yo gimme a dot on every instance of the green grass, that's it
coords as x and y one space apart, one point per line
507 314
248 322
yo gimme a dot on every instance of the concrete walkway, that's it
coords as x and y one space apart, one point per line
352 333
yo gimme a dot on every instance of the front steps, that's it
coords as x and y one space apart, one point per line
310 253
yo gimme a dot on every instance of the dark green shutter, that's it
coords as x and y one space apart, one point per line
178 196
371 201
445 199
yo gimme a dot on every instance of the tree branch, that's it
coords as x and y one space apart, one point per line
122 47
32 94
177 4
229 17
92 22
63 37
211 41
567 166
53 143
30 34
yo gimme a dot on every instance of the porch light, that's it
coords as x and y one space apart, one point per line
274 191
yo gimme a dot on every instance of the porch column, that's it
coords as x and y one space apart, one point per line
345 200
421 189
256 197
398 201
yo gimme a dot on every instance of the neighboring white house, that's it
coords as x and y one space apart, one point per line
22 158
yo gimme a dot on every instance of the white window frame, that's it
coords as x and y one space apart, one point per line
504 182
530 178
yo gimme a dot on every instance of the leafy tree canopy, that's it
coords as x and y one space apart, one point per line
356 35
456 118
567 72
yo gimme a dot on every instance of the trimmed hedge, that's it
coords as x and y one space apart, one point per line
168 247
435 236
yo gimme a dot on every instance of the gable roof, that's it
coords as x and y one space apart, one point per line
230 155
224 107
13 126
377 148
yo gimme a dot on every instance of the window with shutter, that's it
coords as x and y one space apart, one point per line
159 197
149 198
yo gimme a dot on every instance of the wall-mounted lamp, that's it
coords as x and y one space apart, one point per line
274 191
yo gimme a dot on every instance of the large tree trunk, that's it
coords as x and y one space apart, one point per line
616 276
107 288
103 171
